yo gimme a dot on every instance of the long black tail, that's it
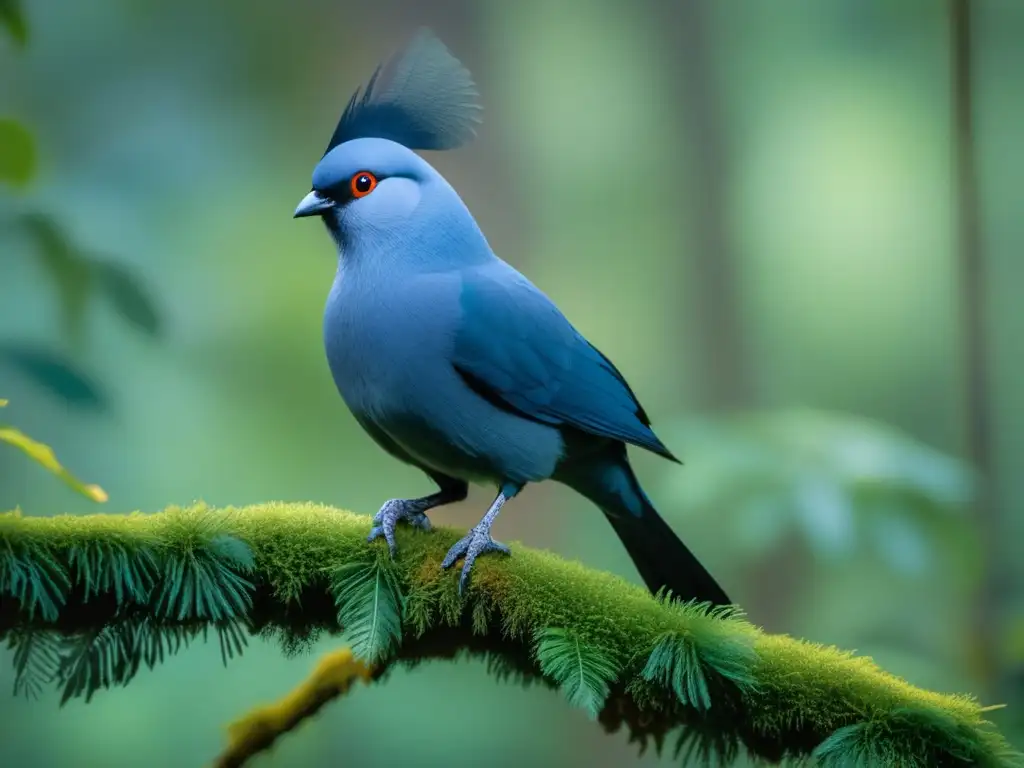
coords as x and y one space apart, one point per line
662 559
607 479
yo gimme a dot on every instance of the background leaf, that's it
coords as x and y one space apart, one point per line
13 19
71 272
129 296
17 150
55 374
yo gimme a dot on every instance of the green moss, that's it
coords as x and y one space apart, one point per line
295 569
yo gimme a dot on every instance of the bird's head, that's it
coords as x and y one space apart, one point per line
368 185
370 180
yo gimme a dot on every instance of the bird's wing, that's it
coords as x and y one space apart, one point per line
515 348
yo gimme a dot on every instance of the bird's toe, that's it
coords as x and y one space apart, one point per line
460 548
471 546
390 512
388 532
386 520
497 546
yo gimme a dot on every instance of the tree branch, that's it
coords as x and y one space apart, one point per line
86 601
262 726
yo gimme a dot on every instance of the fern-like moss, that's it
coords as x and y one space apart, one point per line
124 591
370 605
584 672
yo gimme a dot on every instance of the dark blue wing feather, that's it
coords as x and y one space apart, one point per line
422 98
517 349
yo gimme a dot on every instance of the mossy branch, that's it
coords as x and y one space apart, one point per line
85 601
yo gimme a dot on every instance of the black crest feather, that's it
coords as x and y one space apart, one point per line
422 98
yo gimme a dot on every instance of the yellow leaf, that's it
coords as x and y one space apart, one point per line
44 455
2 403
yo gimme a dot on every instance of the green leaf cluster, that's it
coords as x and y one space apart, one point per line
88 601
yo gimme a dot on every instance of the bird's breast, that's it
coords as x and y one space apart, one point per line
384 339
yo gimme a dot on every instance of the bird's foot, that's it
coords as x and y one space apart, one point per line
387 518
475 543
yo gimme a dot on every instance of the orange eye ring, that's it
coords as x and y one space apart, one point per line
362 183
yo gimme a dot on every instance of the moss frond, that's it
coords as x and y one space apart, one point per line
906 738
123 592
202 571
583 671
95 659
714 649
112 566
36 659
370 606
31 574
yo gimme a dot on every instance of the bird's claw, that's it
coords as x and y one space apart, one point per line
475 543
385 521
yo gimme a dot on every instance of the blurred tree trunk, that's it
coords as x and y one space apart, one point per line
974 342
712 302
709 278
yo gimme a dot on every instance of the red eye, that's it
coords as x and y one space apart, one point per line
363 183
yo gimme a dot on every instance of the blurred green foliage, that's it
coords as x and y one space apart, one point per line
79 276
13 20
839 482
54 373
76 275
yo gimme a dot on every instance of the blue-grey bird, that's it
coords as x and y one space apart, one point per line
448 357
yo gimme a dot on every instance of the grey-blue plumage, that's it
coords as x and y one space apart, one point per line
448 357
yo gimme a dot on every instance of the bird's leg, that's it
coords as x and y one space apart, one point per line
414 511
478 541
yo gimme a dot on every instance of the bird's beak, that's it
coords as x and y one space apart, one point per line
313 204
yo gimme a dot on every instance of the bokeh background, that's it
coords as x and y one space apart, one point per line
753 208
